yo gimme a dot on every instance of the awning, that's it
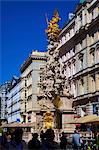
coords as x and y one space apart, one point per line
85 119
16 125
94 121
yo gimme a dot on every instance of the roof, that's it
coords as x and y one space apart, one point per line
95 120
78 8
15 124
14 82
35 55
85 119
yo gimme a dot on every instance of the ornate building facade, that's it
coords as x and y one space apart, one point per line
3 100
79 57
14 101
30 77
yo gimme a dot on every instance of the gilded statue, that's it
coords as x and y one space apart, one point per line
53 27
48 120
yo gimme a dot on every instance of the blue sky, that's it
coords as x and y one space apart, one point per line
23 30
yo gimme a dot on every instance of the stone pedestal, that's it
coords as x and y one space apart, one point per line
67 117
67 114
66 104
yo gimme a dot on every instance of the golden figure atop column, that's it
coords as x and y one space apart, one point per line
53 27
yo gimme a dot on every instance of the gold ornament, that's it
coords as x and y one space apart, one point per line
53 28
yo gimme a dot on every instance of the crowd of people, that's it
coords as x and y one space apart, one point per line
14 141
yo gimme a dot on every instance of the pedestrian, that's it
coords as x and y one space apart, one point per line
76 140
42 136
34 144
5 141
49 143
63 141
17 143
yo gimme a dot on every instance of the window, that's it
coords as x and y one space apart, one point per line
95 108
68 55
69 69
67 36
73 67
63 39
73 90
80 16
95 13
93 82
82 86
80 45
24 118
25 83
25 94
63 58
74 50
92 39
83 43
81 62
29 118
80 19
25 106
92 56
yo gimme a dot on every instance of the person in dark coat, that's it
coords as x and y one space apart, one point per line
6 141
49 143
34 144
63 141
14 142
42 136
17 143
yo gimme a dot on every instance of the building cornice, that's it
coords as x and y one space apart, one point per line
70 22
78 36
84 99
30 60
93 4
66 27
79 8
